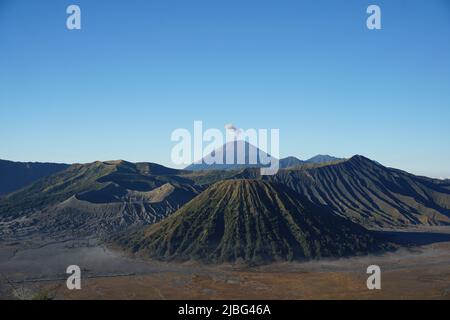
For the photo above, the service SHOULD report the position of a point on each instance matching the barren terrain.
(31, 271)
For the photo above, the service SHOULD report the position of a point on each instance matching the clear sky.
(139, 69)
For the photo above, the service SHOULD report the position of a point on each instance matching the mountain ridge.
(99, 197)
(16, 175)
(250, 151)
(358, 189)
(373, 195)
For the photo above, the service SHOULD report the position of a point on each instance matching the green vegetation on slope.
(107, 182)
(55, 188)
(252, 221)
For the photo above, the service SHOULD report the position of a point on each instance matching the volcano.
(252, 221)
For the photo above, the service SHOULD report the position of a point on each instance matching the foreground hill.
(16, 175)
(368, 193)
(251, 221)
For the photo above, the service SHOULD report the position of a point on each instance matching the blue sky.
(140, 69)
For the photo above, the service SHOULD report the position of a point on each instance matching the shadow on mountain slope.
(413, 238)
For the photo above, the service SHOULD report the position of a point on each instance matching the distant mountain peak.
(251, 157)
(115, 162)
(322, 158)
(359, 159)
(252, 152)
(290, 162)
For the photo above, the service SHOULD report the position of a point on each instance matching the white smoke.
(231, 127)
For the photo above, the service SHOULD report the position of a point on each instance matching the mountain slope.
(371, 194)
(251, 221)
(16, 175)
(242, 154)
(96, 198)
